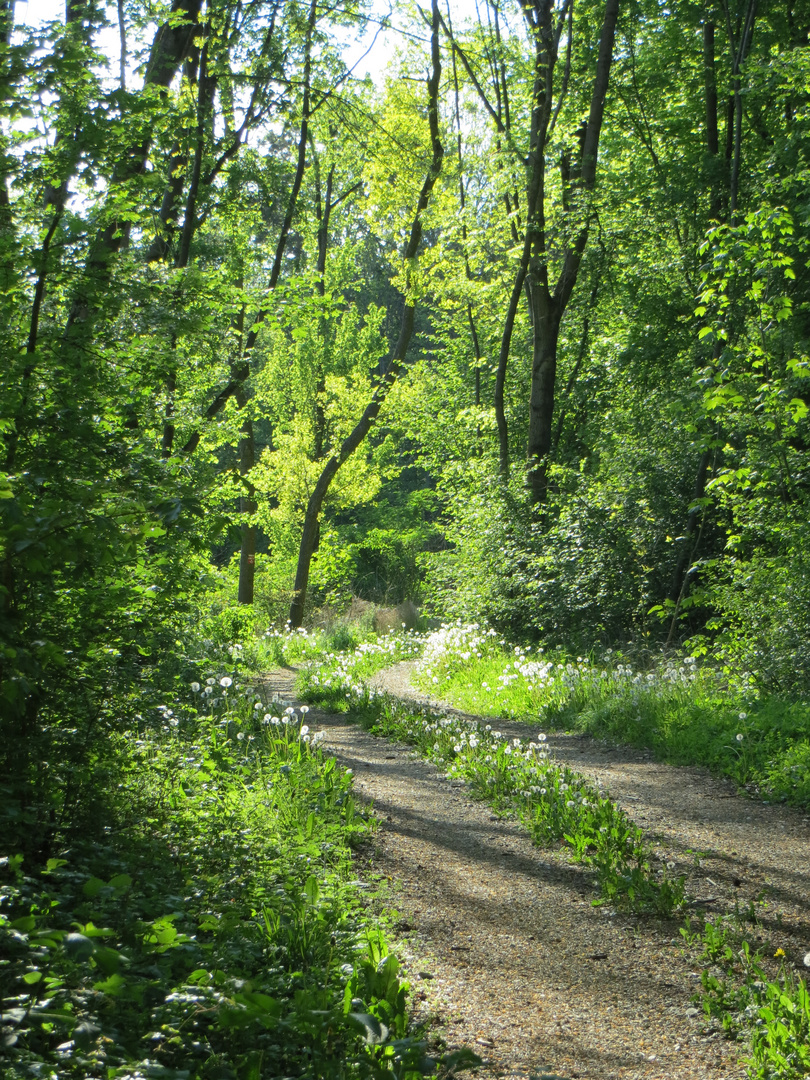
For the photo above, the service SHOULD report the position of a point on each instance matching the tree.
(399, 352)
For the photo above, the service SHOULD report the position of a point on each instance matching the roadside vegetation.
(212, 923)
(753, 998)
(686, 710)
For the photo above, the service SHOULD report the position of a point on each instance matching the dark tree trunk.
(241, 372)
(247, 507)
(548, 308)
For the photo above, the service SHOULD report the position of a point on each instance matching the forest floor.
(504, 950)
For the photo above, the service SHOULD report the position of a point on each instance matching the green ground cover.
(740, 993)
(214, 927)
(687, 713)
(514, 776)
(743, 999)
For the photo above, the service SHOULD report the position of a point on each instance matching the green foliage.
(218, 929)
(741, 995)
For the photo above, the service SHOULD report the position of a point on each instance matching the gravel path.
(503, 948)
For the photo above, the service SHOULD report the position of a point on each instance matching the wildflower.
(543, 791)
(289, 711)
(570, 804)
(739, 738)
(240, 735)
(208, 691)
(195, 688)
(743, 716)
(778, 953)
(226, 681)
(304, 709)
(541, 737)
(304, 729)
(266, 718)
(210, 682)
(806, 960)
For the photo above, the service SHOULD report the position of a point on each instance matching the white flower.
(195, 688)
(210, 682)
(305, 709)
(289, 711)
(806, 960)
(208, 690)
(266, 718)
(226, 681)
(541, 737)
(740, 737)
(304, 729)
(743, 715)
(240, 736)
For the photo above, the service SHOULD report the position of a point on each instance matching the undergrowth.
(741, 998)
(684, 711)
(214, 928)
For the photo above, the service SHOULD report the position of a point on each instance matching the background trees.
(202, 300)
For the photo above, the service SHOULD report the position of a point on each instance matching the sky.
(36, 12)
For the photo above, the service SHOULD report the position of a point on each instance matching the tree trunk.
(541, 401)
(170, 46)
(548, 308)
(247, 506)
(241, 372)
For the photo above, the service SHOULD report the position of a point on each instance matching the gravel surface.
(502, 946)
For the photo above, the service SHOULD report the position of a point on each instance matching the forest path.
(503, 948)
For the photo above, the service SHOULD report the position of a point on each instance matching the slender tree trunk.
(247, 507)
(170, 46)
(548, 308)
(739, 50)
(541, 402)
(712, 127)
(311, 530)
(122, 46)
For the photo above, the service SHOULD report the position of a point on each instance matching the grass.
(667, 708)
(213, 927)
(513, 776)
(683, 711)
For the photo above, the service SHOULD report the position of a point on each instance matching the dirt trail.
(503, 945)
